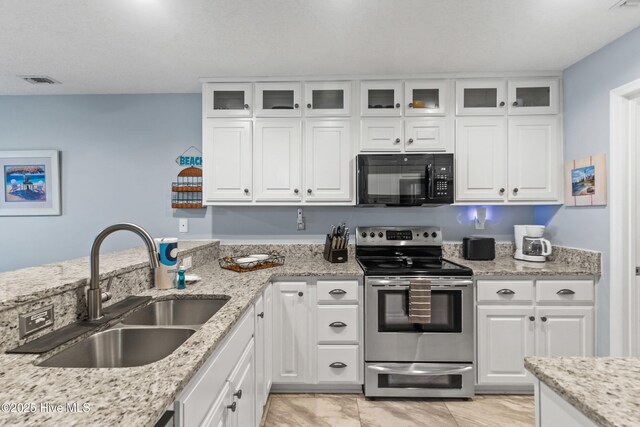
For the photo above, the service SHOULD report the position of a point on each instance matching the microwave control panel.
(442, 185)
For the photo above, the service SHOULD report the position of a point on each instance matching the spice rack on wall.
(186, 192)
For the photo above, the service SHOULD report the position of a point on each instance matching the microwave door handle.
(430, 181)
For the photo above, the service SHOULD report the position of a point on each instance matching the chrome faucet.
(95, 296)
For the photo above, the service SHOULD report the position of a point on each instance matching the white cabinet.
(553, 410)
(290, 327)
(565, 331)
(427, 135)
(534, 96)
(278, 99)
(481, 97)
(426, 97)
(381, 98)
(268, 342)
(535, 150)
(327, 160)
(505, 338)
(263, 308)
(227, 165)
(218, 416)
(227, 99)
(242, 385)
(327, 99)
(277, 159)
(481, 158)
(383, 134)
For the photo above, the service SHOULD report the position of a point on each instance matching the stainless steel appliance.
(405, 179)
(405, 359)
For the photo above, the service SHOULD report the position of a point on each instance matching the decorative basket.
(231, 263)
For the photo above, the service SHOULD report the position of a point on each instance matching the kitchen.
(420, 156)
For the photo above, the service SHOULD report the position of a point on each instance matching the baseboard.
(505, 389)
(316, 388)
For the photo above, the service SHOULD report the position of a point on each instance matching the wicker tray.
(230, 263)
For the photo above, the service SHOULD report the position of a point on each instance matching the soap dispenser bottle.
(180, 281)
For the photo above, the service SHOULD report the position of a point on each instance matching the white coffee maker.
(530, 246)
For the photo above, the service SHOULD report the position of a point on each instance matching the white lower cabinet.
(290, 320)
(510, 329)
(218, 416)
(338, 364)
(243, 392)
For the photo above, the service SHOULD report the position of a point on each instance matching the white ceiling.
(154, 46)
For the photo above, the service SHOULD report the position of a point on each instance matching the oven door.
(391, 337)
(419, 380)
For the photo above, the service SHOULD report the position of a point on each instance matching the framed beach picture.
(31, 183)
(586, 181)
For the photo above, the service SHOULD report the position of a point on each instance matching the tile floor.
(347, 410)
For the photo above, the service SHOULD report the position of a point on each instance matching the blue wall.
(586, 131)
(118, 154)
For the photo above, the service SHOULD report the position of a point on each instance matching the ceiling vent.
(40, 80)
(624, 4)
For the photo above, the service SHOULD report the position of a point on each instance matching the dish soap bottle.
(180, 278)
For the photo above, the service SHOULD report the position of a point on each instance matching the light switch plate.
(35, 320)
(183, 225)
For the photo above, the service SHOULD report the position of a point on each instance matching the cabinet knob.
(501, 191)
(515, 190)
(532, 318)
(338, 365)
(296, 106)
(246, 106)
(233, 407)
(411, 105)
(338, 325)
(246, 191)
(261, 315)
(309, 191)
(397, 141)
(308, 105)
(398, 105)
(300, 294)
(410, 141)
(515, 103)
(502, 104)
(295, 190)
(238, 394)
(544, 319)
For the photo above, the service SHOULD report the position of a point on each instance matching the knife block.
(334, 255)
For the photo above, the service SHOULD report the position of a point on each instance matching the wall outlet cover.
(183, 225)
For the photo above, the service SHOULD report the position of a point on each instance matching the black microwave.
(404, 179)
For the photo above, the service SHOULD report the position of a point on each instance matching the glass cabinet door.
(228, 99)
(328, 98)
(425, 98)
(481, 97)
(278, 99)
(533, 96)
(381, 98)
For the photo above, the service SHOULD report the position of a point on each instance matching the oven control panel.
(399, 236)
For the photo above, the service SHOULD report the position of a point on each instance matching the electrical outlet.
(183, 226)
(187, 263)
(300, 220)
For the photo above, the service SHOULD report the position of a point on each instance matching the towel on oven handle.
(420, 301)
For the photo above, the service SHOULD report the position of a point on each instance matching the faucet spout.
(94, 294)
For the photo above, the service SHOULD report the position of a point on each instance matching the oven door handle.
(415, 369)
(406, 283)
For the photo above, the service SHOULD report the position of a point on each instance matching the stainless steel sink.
(176, 312)
(121, 348)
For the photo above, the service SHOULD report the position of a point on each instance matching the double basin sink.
(145, 336)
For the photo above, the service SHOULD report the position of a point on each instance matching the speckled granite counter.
(139, 396)
(605, 389)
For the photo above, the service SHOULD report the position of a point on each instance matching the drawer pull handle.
(238, 394)
(338, 365)
(505, 292)
(565, 292)
(337, 292)
(338, 325)
(233, 407)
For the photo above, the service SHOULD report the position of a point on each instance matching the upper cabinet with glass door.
(426, 98)
(485, 97)
(534, 96)
(327, 98)
(278, 99)
(381, 98)
(227, 99)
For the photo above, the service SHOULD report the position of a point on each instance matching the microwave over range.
(404, 179)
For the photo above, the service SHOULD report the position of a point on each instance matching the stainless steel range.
(405, 359)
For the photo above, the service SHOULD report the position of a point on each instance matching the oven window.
(446, 312)
(420, 381)
(396, 184)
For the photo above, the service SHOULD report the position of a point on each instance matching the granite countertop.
(605, 389)
(140, 395)
(508, 266)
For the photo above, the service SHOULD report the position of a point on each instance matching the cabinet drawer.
(516, 291)
(338, 323)
(337, 290)
(564, 291)
(338, 363)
